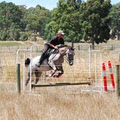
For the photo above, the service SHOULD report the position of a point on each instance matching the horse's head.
(70, 55)
(68, 51)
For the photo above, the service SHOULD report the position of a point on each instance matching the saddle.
(51, 51)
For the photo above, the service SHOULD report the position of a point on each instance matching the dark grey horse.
(55, 60)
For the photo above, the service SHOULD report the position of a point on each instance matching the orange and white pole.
(104, 77)
(111, 74)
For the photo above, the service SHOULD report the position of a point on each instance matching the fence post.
(104, 77)
(18, 79)
(111, 74)
(117, 82)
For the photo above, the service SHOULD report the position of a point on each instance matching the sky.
(49, 4)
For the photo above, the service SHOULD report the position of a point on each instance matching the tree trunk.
(93, 44)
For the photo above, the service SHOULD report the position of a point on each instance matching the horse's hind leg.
(26, 82)
(37, 75)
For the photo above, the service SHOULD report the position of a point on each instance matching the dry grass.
(56, 106)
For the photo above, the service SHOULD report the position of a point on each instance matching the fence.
(79, 72)
(69, 78)
(84, 47)
(91, 64)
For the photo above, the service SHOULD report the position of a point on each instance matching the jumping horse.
(56, 57)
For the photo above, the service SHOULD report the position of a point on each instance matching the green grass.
(9, 43)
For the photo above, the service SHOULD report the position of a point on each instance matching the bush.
(24, 37)
(3, 35)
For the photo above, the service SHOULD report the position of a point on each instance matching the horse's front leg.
(52, 65)
(60, 68)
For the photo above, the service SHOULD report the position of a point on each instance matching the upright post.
(24, 71)
(95, 62)
(111, 74)
(18, 79)
(104, 77)
(90, 62)
(117, 82)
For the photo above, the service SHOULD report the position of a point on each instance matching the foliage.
(95, 20)
(79, 20)
(36, 19)
(115, 20)
(65, 17)
(16, 19)
(24, 37)
(10, 16)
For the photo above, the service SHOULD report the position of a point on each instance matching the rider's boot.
(40, 61)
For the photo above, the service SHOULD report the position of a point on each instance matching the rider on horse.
(56, 40)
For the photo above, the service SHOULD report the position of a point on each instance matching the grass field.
(57, 106)
(57, 103)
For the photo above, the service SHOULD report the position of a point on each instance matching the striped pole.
(111, 74)
(104, 77)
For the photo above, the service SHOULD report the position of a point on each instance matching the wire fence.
(98, 47)
(76, 73)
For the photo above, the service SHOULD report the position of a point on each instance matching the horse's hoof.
(59, 75)
(50, 75)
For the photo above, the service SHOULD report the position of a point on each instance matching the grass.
(9, 43)
(57, 106)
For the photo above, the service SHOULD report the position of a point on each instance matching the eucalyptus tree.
(65, 17)
(10, 15)
(37, 18)
(115, 21)
(95, 20)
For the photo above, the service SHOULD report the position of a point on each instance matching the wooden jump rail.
(61, 84)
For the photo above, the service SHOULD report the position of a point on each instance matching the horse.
(56, 56)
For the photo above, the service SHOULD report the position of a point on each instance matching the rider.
(56, 40)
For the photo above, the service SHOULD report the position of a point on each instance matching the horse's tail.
(27, 62)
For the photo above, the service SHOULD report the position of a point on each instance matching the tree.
(37, 18)
(10, 16)
(23, 21)
(66, 17)
(9, 13)
(115, 21)
(95, 21)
